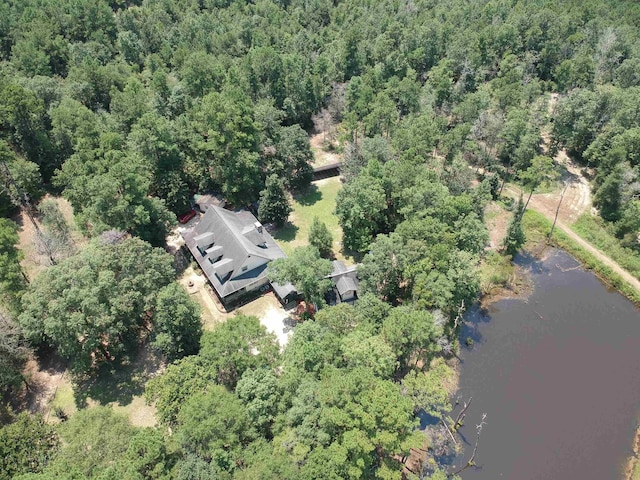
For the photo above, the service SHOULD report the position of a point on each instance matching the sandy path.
(578, 203)
(630, 279)
(320, 155)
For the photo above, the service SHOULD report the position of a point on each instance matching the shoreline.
(536, 227)
(632, 467)
(520, 287)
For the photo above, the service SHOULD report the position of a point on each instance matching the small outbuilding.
(345, 283)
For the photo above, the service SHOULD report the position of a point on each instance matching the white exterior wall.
(348, 295)
(251, 263)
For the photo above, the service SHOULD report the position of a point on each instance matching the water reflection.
(558, 375)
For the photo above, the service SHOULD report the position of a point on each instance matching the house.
(345, 283)
(233, 250)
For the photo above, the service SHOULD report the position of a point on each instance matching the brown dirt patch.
(577, 196)
(497, 220)
(212, 311)
(34, 261)
(44, 380)
(322, 154)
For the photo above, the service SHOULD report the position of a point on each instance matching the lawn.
(122, 387)
(319, 200)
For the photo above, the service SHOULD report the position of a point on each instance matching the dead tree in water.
(460, 418)
(471, 461)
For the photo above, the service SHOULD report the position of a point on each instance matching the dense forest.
(127, 108)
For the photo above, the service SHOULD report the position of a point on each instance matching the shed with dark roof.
(345, 280)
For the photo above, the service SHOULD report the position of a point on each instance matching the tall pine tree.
(274, 203)
(515, 237)
(320, 237)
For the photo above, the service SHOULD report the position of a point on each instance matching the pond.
(558, 376)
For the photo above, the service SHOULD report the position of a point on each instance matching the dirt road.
(575, 202)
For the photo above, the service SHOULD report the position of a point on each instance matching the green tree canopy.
(215, 425)
(360, 207)
(27, 445)
(180, 380)
(258, 390)
(93, 440)
(13, 355)
(12, 280)
(383, 267)
(177, 324)
(235, 346)
(411, 333)
(306, 271)
(321, 238)
(93, 307)
(274, 202)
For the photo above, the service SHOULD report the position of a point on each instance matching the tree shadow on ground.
(474, 317)
(286, 233)
(181, 260)
(118, 381)
(355, 255)
(310, 196)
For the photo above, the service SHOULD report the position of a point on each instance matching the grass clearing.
(64, 398)
(120, 386)
(537, 227)
(594, 231)
(319, 200)
(496, 271)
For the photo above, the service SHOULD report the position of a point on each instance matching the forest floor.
(323, 154)
(122, 387)
(34, 260)
(497, 221)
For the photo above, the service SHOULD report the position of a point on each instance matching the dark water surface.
(557, 375)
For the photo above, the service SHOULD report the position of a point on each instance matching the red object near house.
(185, 217)
(305, 308)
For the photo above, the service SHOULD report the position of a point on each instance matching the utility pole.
(566, 185)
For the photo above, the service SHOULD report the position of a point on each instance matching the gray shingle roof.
(344, 277)
(224, 241)
(346, 284)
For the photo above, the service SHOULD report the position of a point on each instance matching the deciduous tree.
(360, 208)
(515, 236)
(235, 346)
(177, 326)
(92, 307)
(12, 278)
(382, 269)
(216, 426)
(27, 444)
(306, 271)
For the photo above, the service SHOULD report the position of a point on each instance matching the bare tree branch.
(471, 461)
